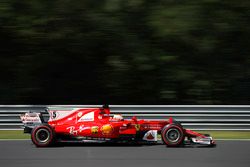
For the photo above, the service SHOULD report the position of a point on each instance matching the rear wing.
(30, 120)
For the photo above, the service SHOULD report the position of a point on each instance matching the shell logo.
(107, 129)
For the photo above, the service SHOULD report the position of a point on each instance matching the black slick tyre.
(43, 136)
(172, 135)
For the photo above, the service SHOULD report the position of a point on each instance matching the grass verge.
(18, 134)
(228, 134)
(13, 134)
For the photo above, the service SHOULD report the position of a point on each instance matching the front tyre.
(172, 135)
(43, 136)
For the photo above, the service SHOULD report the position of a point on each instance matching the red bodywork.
(97, 123)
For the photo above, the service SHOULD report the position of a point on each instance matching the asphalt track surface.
(25, 154)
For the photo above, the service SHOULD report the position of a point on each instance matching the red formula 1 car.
(96, 124)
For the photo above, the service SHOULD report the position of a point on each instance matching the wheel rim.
(42, 135)
(173, 135)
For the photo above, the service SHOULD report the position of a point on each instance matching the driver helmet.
(118, 117)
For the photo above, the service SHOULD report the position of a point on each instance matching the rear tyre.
(43, 136)
(172, 135)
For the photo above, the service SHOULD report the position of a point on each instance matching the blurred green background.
(124, 52)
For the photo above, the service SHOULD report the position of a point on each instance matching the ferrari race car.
(98, 125)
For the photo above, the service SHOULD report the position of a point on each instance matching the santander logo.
(87, 117)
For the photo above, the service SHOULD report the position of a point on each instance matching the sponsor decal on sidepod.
(107, 129)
